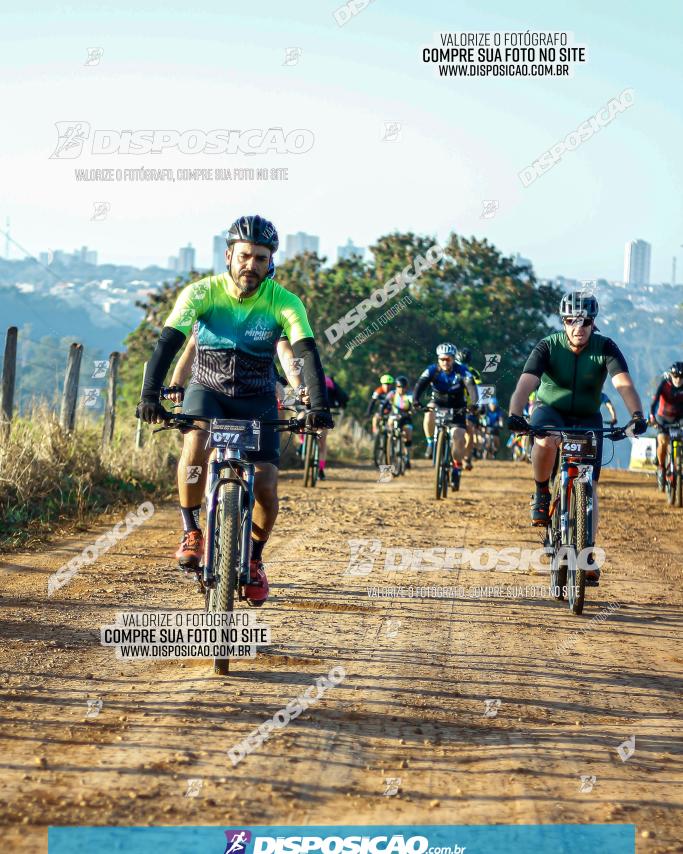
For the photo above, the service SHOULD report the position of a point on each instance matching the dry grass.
(51, 482)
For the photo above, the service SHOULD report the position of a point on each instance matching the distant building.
(44, 258)
(300, 242)
(91, 257)
(637, 263)
(522, 262)
(346, 253)
(219, 247)
(185, 259)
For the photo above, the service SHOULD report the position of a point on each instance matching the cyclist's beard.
(246, 281)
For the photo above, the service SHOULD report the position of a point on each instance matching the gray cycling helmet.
(578, 304)
(254, 229)
(446, 350)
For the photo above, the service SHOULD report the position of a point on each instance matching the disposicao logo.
(237, 841)
(396, 844)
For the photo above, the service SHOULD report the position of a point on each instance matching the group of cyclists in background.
(233, 325)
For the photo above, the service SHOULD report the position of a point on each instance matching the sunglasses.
(445, 358)
(577, 321)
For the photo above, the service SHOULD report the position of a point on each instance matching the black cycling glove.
(317, 418)
(518, 424)
(150, 411)
(639, 423)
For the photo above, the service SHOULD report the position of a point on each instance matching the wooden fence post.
(9, 371)
(67, 416)
(138, 429)
(110, 404)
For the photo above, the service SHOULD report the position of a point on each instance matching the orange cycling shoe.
(191, 549)
(256, 591)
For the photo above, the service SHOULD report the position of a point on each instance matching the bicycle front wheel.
(311, 461)
(226, 558)
(671, 477)
(678, 466)
(441, 461)
(576, 576)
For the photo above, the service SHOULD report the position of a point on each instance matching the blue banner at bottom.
(371, 839)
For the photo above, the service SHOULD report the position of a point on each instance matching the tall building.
(300, 242)
(219, 247)
(185, 259)
(520, 261)
(346, 253)
(637, 263)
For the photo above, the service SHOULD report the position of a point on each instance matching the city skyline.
(394, 147)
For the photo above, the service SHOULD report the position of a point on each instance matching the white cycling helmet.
(446, 350)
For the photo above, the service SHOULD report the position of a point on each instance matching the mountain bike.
(380, 450)
(673, 469)
(443, 463)
(396, 450)
(489, 450)
(224, 571)
(570, 529)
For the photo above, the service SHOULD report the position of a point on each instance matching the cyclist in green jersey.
(569, 369)
(239, 317)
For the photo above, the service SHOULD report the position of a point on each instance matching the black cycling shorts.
(202, 401)
(663, 425)
(546, 415)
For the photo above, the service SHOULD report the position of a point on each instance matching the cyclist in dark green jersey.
(237, 317)
(569, 369)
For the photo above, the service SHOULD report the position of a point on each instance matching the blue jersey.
(493, 416)
(447, 382)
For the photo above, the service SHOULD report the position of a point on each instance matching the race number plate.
(576, 445)
(239, 435)
(676, 433)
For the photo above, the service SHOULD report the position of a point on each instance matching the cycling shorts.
(202, 401)
(663, 424)
(544, 415)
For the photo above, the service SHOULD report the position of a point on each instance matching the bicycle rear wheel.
(226, 559)
(576, 576)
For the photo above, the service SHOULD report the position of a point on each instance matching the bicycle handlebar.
(178, 420)
(614, 433)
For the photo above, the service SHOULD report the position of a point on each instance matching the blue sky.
(463, 140)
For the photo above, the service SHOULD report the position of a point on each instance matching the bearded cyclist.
(240, 315)
(665, 410)
(569, 369)
(449, 381)
(400, 402)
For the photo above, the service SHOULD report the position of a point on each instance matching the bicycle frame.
(243, 472)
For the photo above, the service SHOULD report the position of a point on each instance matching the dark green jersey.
(572, 383)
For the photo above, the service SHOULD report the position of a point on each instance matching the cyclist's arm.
(655, 399)
(610, 408)
(472, 390)
(193, 301)
(423, 381)
(525, 385)
(286, 356)
(624, 385)
(183, 367)
(371, 405)
(300, 335)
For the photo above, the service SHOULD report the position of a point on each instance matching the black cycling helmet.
(254, 229)
(676, 369)
(402, 380)
(578, 304)
(465, 356)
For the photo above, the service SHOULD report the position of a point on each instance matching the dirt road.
(477, 710)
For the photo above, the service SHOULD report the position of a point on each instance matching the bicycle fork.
(245, 478)
(570, 473)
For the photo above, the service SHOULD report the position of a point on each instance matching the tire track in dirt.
(419, 673)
